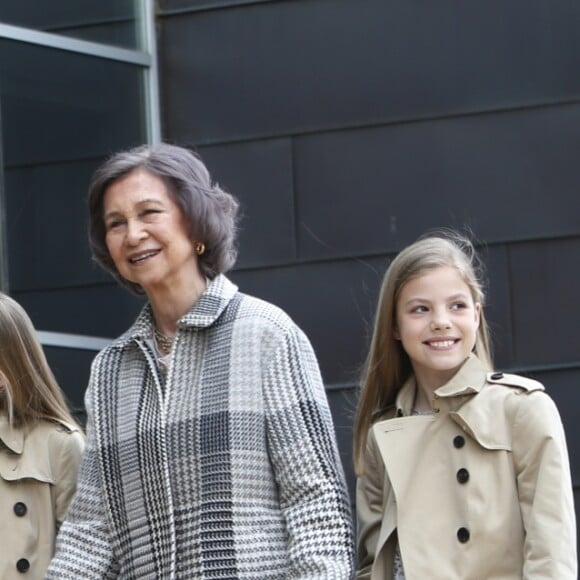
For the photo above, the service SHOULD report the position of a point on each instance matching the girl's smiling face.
(436, 322)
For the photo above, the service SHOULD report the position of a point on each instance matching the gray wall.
(349, 127)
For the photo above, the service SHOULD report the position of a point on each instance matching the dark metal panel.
(103, 311)
(545, 285)
(507, 176)
(259, 174)
(47, 226)
(286, 67)
(497, 306)
(343, 406)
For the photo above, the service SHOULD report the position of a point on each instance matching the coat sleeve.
(306, 463)
(544, 489)
(369, 508)
(69, 457)
(83, 544)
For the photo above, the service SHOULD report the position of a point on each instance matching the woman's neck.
(170, 303)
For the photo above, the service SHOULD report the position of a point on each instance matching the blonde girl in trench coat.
(463, 473)
(40, 449)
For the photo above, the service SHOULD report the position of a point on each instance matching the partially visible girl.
(463, 472)
(40, 449)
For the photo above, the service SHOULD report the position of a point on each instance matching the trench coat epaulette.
(517, 381)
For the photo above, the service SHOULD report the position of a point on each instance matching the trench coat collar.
(468, 380)
(11, 436)
(208, 308)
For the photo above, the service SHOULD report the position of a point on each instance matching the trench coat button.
(20, 509)
(497, 376)
(23, 565)
(458, 441)
(463, 535)
(462, 475)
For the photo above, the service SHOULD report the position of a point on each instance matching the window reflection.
(106, 21)
(62, 112)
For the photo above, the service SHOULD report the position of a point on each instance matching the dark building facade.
(347, 128)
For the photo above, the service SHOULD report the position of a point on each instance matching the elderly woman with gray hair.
(211, 451)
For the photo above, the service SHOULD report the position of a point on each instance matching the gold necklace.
(164, 342)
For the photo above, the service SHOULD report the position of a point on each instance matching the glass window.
(62, 112)
(111, 22)
(78, 81)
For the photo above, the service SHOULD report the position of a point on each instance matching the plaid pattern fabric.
(228, 470)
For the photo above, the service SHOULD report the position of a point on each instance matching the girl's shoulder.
(506, 393)
(39, 448)
(522, 384)
(54, 436)
(512, 393)
(495, 415)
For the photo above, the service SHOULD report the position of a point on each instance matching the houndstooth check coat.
(227, 469)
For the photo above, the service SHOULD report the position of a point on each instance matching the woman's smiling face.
(436, 322)
(146, 233)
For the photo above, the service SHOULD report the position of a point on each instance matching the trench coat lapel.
(398, 440)
(11, 437)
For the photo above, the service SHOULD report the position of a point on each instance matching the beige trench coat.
(479, 490)
(38, 469)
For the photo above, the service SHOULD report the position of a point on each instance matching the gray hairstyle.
(210, 213)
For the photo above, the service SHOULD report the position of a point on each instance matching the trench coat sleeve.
(67, 466)
(369, 508)
(83, 545)
(545, 489)
(307, 467)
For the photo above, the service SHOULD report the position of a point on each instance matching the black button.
(20, 509)
(23, 565)
(458, 441)
(463, 535)
(462, 475)
(497, 376)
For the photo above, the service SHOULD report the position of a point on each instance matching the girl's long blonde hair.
(387, 365)
(28, 389)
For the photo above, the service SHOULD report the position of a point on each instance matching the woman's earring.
(199, 248)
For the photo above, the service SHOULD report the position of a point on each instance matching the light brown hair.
(28, 389)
